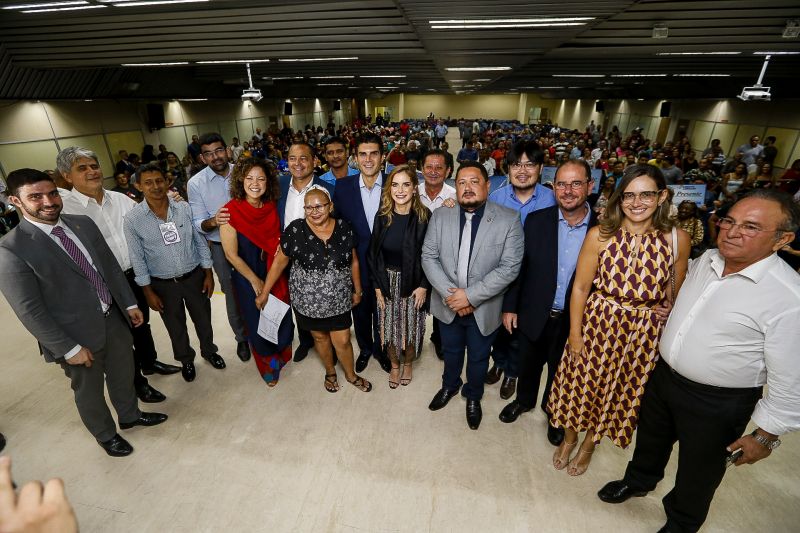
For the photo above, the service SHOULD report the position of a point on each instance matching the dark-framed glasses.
(561, 185)
(318, 207)
(748, 229)
(645, 197)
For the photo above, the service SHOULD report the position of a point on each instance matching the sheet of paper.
(270, 319)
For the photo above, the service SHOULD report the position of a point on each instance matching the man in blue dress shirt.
(336, 156)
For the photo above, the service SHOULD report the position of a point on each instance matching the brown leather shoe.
(494, 375)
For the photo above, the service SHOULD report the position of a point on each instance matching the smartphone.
(733, 457)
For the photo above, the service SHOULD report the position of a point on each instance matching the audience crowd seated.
(587, 259)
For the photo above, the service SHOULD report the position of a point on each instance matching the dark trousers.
(223, 269)
(463, 333)
(144, 349)
(113, 364)
(436, 335)
(704, 420)
(534, 354)
(366, 324)
(505, 349)
(177, 297)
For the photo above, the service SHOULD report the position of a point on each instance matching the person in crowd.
(172, 165)
(335, 150)
(688, 221)
(148, 154)
(293, 188)
(469, 280)
(162, 152)
(250, 240)
(770, 152)
(733, 330)
(124, 166)
(751, 151)
(765, 178)
(236, 149)
(468, 153)
(395, 267)
(440, 133)
(86, 329)
(537, 303)
(672, 174)
(635, 263)
(324, 282)
(397, 155)
(524, 194)
(602, 199)
(124, 187)
(702, 171)
(194, 149)
(790, 180)
(209, 191)
(107, 209)
(172, 264)
(485, 159)
(357, 199)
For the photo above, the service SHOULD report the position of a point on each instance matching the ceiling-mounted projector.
(757, 92)
(252, 94)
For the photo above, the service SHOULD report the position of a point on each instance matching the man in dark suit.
(537, 303)
(290, 207)
(64, 284)
(357, 199)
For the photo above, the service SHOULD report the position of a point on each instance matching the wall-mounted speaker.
(600, 106)
(666, 107)
(287, 108)
(337, 105)
(155, 116)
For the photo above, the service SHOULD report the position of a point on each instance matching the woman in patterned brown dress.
(614, 331)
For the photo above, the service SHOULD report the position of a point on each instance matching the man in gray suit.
(64, 284)
(470, 256)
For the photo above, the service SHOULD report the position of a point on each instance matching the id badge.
(169, 232)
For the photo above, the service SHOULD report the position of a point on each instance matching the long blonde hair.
(614, 215)
(387, 202)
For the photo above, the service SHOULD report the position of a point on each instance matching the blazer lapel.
(52, 249)
(483, 229)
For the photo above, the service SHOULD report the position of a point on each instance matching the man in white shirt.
(107, 209)
(733, 330)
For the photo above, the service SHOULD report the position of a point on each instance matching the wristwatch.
(764, 441)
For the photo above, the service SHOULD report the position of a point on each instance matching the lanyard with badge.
(169, 232)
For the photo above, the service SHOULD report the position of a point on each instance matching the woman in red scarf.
(250, 241)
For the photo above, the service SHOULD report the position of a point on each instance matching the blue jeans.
(463, 333)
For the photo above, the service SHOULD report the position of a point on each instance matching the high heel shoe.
(395, 371)
(577, 469)
(404, 381)
(559, 461)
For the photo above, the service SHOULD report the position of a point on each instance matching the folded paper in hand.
(270, 319)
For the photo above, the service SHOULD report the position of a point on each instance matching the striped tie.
(91, 274)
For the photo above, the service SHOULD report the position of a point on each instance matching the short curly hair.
(243, 167)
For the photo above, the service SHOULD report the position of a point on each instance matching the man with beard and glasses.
(524, 194)
(209, 191)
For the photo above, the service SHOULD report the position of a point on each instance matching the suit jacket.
(284, 181)
(494, 262)
(347, 205)
(531, 295)
(49, 293)
(411, 274)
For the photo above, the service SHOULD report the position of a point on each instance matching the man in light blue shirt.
(209, 191)
(336, 157)
(524, 195)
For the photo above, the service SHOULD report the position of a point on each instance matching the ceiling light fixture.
(660, 31)
(231, 61)
(579, 75)
(532, 22)
(786, 53)
(192, 99)
(331, 77)
(639, 75)
(475, 69)
(50, 10)
(551, 87)
(49, 4)
(165, 64)
(501, 26)
(330, 84)
(384, 76)
(304, 59)
(282, 78)
(702, 75)
(157, 2)
(698, 53)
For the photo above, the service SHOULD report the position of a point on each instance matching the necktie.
(83, 263)
(463, 251)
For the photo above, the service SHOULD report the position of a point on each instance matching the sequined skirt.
(402, 324)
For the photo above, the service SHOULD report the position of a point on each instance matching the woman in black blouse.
(395, 265)
(324, 282)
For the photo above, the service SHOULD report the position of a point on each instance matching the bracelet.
(359, 294)
(764, 441)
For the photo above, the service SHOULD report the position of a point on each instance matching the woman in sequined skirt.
(395, 266)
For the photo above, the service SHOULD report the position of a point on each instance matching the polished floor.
(237, 456)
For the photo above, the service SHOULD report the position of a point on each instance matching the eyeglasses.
(218, 151)
(527, 165)
(747, 229)
(645, 197)
(561, 185)
(318, 207)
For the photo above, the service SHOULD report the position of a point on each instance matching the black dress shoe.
(188, 372)
(618, 492)
(386, 365)
(361, 362)
(474, 414)
(508, 388)
(243, 351)
(162, 369)
(494, 375)
(145, 419)
(441, 398)
(2, 442)
(301, 353)
(511, 412)
(216, 361)
(148, 394)
(116, 446)
(555, 436)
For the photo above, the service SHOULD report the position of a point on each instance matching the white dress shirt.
(108, 215)
(741, 330)
(295, 200)
(436, 202)
(371, 198)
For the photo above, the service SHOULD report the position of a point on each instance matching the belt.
(176, 279)
(735, 391)
(556, 313)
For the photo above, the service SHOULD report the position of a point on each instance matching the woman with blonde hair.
(395, 267)
(636, 261)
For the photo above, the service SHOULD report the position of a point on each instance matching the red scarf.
(262, 227)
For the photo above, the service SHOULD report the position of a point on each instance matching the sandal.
(361, 384)
(331, 385)
(578, 470)
(393, 384)
(560, 462)
(404, 381)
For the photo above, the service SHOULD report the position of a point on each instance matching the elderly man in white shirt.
(734, 329)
